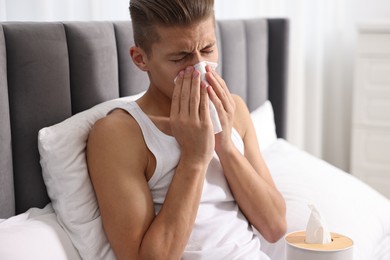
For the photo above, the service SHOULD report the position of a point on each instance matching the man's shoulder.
(117, 126)
(117, 137)
(117, 120)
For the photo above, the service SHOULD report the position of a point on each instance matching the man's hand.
(190, 117)
(247, 174)
(225, 105)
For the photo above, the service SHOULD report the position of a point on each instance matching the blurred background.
(323, 42)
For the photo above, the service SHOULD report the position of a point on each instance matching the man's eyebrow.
(211, 44)
(179, 53)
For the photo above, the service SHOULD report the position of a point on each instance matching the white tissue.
(201, 66)
(317, 231)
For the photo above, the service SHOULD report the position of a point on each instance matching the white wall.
(64, 10)
(322, 45)
(322, 48)
(339, 45)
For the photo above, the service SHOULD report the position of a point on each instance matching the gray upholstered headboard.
(50, 71)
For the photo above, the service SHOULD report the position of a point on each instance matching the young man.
(167, 186)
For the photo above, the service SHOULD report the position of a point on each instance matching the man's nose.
(197, 58)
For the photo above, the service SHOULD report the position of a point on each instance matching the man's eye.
(178, 60)
(208, 51)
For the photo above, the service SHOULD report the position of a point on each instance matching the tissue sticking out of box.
(317, 231)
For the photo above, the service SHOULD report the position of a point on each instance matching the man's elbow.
(276, 231)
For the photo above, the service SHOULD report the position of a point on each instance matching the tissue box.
(340, 248)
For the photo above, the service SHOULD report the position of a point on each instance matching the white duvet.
(349, 206)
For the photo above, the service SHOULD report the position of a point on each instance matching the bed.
(58, 78)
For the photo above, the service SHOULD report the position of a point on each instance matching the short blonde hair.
(146, 15)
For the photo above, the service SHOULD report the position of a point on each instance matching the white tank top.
(220, 231)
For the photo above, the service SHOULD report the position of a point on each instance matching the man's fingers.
(195, 94)
(175, 105)
(204, 112)
(186, 91)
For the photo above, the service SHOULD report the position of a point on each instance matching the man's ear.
(139, 57)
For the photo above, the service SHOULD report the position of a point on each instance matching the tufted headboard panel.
(50, 71)
(7, 199)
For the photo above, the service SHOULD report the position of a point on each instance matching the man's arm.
(117, 161)
(247, 175)
(251, 182)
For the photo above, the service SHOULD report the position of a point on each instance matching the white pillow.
(349, 206)
(35, 234)
(64, 170)
(264, 123)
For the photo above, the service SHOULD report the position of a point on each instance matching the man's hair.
(146, 15)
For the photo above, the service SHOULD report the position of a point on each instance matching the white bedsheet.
(382, 251)
(349, 206)
(35, 234)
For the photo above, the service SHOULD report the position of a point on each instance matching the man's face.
(178, 48)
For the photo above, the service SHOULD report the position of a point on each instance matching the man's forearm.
(168, 234)
(261, 203)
